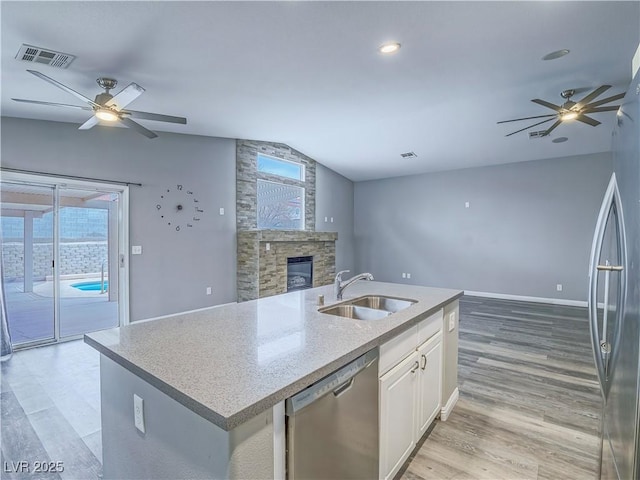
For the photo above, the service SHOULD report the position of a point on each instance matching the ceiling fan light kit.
(107, 115)
(107, 107)
(571, 110)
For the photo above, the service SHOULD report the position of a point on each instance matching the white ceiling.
(308, 73)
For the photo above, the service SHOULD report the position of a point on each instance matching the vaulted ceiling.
(308, 74)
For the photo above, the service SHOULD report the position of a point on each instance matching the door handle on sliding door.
(610, 268)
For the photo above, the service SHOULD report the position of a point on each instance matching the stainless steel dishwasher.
(332, 426)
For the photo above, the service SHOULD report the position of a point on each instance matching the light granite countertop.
(231, 362)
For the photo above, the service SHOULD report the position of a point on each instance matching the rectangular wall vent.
(29, 53)
(408, 155)
(539, 134)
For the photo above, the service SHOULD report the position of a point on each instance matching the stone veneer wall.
(247, 175)
(263, 272)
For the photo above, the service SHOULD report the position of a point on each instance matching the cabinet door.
(429, 383)
(397, 415)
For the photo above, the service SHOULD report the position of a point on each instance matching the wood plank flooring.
(529, 403)
(50, 406)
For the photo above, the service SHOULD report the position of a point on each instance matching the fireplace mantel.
(262, 259)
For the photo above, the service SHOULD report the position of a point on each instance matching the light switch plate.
(136, 250)
(138, 412)
(221, 211)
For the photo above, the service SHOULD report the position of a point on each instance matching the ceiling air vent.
(539, 134)
(29, 53)
(408, 155)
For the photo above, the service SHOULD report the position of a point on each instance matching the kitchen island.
(214, 381)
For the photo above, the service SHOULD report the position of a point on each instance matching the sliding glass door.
(63, 260)
(88, 265)
(27, 256)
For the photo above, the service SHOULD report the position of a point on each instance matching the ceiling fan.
(107, 107)
(571, 110)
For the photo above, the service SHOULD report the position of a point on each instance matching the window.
(280, 206)
(282, 168)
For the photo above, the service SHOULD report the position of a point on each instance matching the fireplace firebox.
(299, 273)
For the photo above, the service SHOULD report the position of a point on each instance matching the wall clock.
(179, 208)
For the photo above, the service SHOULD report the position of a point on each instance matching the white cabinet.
(429, 383)
(410, 388)
(397, 414)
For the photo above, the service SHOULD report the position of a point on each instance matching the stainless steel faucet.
(340, 285)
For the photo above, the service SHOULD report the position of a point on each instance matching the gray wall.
(528, 228)
(176, 267)
(334, 198)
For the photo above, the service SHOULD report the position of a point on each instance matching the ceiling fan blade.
(125, 96)
(92, 122)
(612, 108)
(552, 127)
(156, 116)
(530, 126)
(604, 100)
(51, 104)
(137, 127)
(544, 103)
(528, 118)
(588, 120)
(63, 87)
(596, 93)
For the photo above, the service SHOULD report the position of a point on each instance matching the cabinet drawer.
(392, 352)
(430, 326)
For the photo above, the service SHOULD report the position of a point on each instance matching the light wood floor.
(529, 403)
(50, 406)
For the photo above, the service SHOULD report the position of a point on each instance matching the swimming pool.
(90, 286)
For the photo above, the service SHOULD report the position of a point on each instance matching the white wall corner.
(448, 407)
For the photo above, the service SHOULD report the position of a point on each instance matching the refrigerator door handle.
(605, 352)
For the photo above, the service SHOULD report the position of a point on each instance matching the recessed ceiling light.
(556, 54)
(560, 140)
(390, 47)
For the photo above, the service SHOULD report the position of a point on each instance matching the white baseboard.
(448, 408)
(523, 298)
(182, 313)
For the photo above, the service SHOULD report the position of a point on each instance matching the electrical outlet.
(408, 275)
(138, 412)
(404, 275)
(136, 250)
(221, 211)
(267, 247)
(208, 290)
(452, 321)
(467, 204)
(559, 287)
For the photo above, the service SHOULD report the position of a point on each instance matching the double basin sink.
(369, 307)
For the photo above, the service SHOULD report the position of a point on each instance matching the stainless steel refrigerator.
(614, 298)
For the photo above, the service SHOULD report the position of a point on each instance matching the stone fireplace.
(263, 260)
